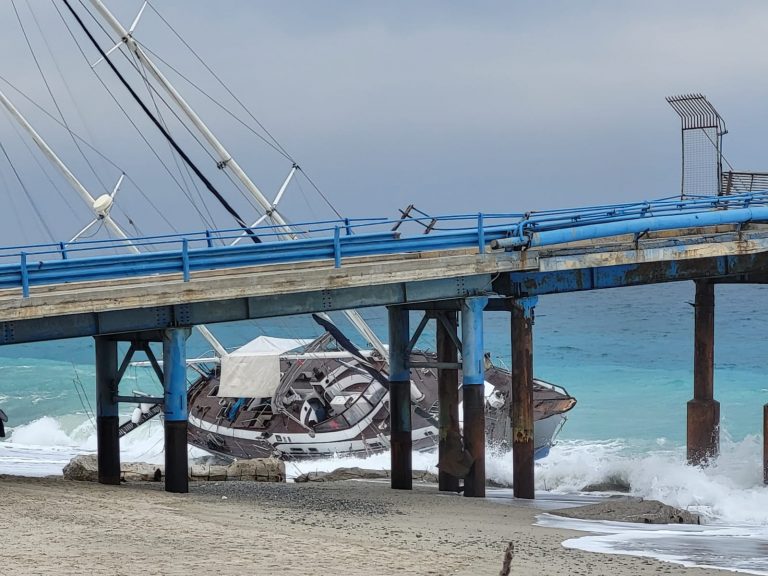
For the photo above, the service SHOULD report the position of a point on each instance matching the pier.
(472, 263)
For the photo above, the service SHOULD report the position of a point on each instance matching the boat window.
(354, 413)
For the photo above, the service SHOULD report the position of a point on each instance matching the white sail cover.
(253, 370)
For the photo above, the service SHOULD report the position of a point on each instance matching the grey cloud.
(493, 106)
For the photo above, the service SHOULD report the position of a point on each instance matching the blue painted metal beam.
(540, 283)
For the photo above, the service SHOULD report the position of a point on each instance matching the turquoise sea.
(625, 354)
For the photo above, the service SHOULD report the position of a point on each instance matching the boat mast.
(99, 206)
(226, 161)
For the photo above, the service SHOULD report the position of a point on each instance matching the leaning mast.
(226, 160)
(99, 206)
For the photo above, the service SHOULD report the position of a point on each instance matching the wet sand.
(55, 526)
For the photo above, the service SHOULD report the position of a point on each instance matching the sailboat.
(288, 399)
(299, 398)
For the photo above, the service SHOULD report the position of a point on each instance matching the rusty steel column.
(521, 405)
(107, 421)
(703, 410)
(401, 440)
(448, 402)
(473, 392)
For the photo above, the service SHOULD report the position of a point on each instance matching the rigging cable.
(48, 86)
(94, 150)
(276, 146)
(28, 195)
(157, 95)
(142, 73)
(165, 133)
(44, 171)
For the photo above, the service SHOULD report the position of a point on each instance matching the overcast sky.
(453, 106)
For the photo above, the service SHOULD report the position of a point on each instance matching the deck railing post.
(521, 404)
(175, 409)
(336, 247)
(480, 233)
(401, 441)
(63, 249)
(107, 423)
(185, 259)
(24, 275)
(209, 238)
(473, 392)
(703, 433)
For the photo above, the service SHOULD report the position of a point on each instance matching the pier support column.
(175, 409)
(107, 422)
(448, 400)
(473, 392)
(703, 411)
(521, 405)
(401, 441)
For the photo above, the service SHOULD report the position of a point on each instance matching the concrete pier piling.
(703, 433)
(522, 397)
(107, 420)
(175, 409)
(401, 440)
(473, 388)
(448, 395)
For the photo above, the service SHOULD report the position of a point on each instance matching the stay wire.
(27, 194)
(220, 81)
(92, 149)
(142, 73)
(11, 197)
(48, 86)
(130, 120)
(277, 146)
(159, 126)
(193, 135)
(43, 170)
(218, 104)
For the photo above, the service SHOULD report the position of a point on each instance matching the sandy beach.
(57, 526)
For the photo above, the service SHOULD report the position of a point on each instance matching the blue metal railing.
(91, 260)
